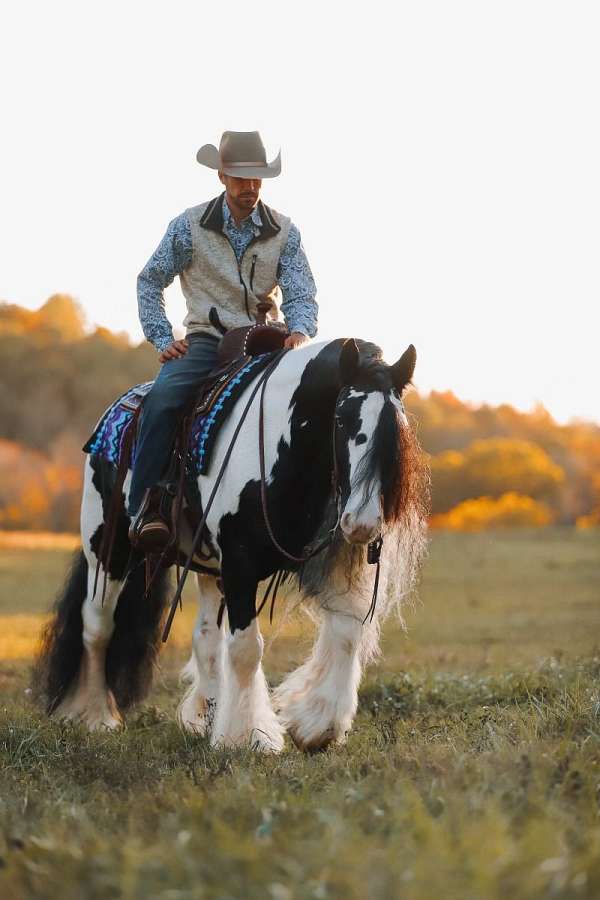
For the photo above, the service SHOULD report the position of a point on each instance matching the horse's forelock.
(395, 457)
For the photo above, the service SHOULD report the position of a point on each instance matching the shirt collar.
(229, 221)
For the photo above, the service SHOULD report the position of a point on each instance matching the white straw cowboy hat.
(241, 154)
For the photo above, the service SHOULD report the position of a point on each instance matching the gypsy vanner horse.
(329, 407)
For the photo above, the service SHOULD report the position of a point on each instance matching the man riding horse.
(325, 486)
(236, 255)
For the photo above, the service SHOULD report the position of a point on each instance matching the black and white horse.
(337, 399)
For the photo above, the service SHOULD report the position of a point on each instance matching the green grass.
(473, 770)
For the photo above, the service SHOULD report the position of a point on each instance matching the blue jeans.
(173, 391)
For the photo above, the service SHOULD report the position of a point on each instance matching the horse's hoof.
(313, 744)
(262, 742)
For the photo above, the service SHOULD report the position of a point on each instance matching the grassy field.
(473, 770)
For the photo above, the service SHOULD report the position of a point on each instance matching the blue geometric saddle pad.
(108, 438)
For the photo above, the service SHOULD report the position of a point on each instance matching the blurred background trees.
(491, 467)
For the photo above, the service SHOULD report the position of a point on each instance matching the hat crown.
(241, 154)
(242, 146)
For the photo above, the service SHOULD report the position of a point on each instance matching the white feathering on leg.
(244, 713)
(203, 670)
(89, 700)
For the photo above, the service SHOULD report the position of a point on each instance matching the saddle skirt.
(217, 397)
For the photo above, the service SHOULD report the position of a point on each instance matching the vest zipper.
(239, 265)
(242, 282)
(254, 258)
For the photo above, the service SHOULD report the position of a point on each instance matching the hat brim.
(208, 155)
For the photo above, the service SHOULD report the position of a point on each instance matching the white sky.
(440, 158)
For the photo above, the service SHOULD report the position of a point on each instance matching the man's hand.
(174, 351)
(295, 340)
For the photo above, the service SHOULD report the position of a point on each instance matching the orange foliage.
(510, 510)
(60, 318)
(590, 521)
(493, 467)
(36, 492)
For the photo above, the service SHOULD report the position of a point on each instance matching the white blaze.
(362, 517)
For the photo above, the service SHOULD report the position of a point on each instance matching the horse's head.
(370, 436)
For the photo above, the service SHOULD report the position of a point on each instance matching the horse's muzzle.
(356, 531)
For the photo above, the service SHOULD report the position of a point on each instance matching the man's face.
(244, 192)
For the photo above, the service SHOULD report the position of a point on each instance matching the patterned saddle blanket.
(108, 438)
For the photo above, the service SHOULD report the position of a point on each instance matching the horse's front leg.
(317, 702)
(203, 670)
(244, 715)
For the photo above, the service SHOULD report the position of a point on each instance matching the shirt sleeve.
(172, 256)
(298, 288)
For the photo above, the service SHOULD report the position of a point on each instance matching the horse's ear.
(349, 361)
(403, 370)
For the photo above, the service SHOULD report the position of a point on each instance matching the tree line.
(491, 466)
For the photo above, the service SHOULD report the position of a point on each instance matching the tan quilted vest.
(214, 278)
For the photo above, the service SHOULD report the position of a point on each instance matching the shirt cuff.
(163, 342)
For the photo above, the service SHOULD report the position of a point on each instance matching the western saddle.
(156, 524)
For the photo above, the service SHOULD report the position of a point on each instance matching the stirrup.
(148, 530)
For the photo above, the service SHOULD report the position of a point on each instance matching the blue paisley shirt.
(174, 254)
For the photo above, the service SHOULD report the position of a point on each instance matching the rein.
(263, 487)
(374, 548)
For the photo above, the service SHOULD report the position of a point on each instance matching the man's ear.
(349, 361)
(403, 370)
(221, 179)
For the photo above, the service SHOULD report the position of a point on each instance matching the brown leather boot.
(148, 530)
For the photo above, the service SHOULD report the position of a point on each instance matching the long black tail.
(133, 646)
(59, 658)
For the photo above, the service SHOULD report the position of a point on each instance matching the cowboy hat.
(241, 154)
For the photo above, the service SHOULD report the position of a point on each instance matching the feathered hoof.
(101, 715)
(103, 723)
(268, 738)
(312, 745)
(93, 721)
(267, 742)
(312, 721)
(315, 743)
(196, 715)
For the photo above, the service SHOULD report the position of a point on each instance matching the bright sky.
(440, 159)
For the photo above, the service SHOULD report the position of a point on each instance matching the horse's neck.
(303, 394)
(304, 388)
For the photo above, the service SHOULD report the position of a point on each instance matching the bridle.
(374, 547)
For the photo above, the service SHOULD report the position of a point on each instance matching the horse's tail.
(59, 658)
(133, 646)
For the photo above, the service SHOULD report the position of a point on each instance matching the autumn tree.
(491, 468)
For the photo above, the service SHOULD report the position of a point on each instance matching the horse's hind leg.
(203, 669)
(89, 699)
